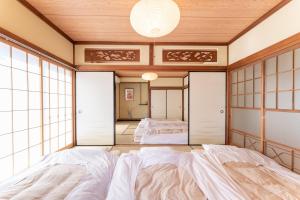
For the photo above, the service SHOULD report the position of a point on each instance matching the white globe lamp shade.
(149, 76)
(154, 18)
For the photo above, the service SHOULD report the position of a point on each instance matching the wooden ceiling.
(206, 21)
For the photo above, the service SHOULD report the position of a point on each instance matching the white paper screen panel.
(297, 78)
(297, 58)
(207, 107)
(186, 104)
(280, 154)
(297, 162)
(283, 127)
(186, 81)
(95, 108)
(252, 143)
(174, 104)
(237, 139)
(245, 120)
(159, 104)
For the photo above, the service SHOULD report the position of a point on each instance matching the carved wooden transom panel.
(94, 55)
(189, 55)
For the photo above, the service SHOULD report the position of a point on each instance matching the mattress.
(71, 174)
(174, 138)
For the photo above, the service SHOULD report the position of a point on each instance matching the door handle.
(221, 111)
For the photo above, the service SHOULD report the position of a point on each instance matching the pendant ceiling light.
(149, 76)
(154, 18)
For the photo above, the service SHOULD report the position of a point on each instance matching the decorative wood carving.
(92, 55)
(189, 55)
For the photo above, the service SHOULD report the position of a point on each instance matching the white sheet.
(128, 166)
(174, 138)
(99, 167)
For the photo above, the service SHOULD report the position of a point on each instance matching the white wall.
(167, 82)
(279, 26)
(17, 19)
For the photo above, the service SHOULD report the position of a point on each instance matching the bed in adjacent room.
(254, 175)
(76, 174)
(159, 131)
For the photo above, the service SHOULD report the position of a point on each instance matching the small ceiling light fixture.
(149, 76)
(154, 18)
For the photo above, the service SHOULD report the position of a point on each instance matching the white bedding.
(165, 128)
(221, 157)
(130, 165)
(224, 153)
(94, 169)
(174, 138)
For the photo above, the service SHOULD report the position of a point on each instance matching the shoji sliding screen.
(23, 133)
(245, 105)
(272, 125)
(95, 101)
(57, 107)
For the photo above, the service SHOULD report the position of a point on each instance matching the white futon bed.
(156, 131)
(250, 173)
(75, 174)
(162, 173)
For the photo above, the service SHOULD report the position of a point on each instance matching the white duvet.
(254, 174)
(76, 174)
(129, 167)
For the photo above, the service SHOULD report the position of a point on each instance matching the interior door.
(95, 108)
(158, 104)
(174, 104)
(207, 107)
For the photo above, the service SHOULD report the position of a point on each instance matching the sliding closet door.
(158, 104)
(207, 107)
(174, 104)
(95, 108)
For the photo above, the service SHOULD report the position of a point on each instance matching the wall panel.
(272, 124)
(245, 120)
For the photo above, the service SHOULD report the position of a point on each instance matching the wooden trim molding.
(99, 55)
(10, 37)
(259, 20)
(45, 19)
(276, 49)
(150, 68)
(189, 55)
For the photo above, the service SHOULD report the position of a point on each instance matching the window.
(245, 87)
(35, 109)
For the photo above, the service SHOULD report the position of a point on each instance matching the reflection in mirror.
(151, 112)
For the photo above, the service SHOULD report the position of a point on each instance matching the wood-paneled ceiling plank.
(107, 20)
